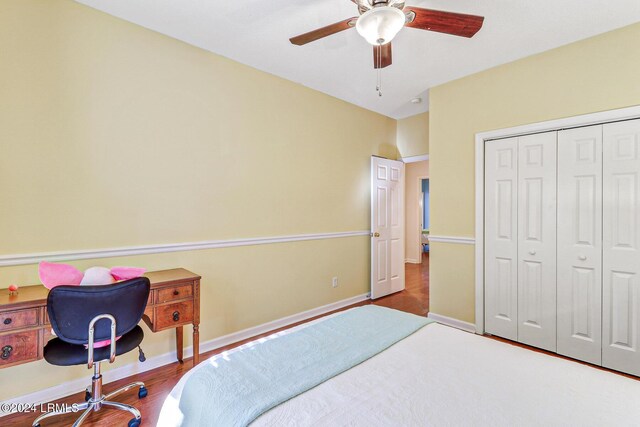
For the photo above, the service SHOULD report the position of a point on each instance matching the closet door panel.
(501, 247)
(621, 247)
(537, 240)
(579, 265)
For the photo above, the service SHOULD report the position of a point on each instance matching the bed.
(441, 376)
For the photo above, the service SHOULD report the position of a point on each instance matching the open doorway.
(417, 233)
(416, 213)
(424, 236)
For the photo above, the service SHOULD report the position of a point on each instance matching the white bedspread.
(441, 376)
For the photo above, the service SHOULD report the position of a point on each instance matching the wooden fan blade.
(385, 52)
(457, 24)
(323, 32)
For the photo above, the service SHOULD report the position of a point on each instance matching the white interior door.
(621, 247)
(387, 226)
(537, 240)
(580, 243)
(501, 241)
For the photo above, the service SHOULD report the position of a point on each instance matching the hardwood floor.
(415, 298)
(160, 381)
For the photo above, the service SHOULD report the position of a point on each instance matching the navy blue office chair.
(82, 315)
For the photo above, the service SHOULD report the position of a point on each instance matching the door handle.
(376, 234)
(582, 257)
(532, 252)
(6, 352)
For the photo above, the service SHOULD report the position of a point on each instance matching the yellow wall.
(413, 135)
(112, 135)
(413, 198)
(596, 74)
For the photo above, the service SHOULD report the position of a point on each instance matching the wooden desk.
(174, 301)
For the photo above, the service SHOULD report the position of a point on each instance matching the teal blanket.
(236, 389)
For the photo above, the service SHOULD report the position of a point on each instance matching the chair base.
(95, 404)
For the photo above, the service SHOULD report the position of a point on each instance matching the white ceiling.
(257, 32)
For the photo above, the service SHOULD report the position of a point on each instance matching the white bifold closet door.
(621, 247)
(520, 239)
(501, 238)
(537, 240)
(580, 243)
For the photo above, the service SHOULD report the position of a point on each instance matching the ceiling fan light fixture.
(380, 25)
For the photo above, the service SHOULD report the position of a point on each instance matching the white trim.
(34, 258)
(413, 159)
(452, 239)
(455, 323)
(479, 232)
(412, 261)
(590, 119)
(74, 386)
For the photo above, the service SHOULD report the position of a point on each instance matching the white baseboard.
(74, 386)
(412, 261)
(450, 321)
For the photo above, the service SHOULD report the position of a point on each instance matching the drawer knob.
(176, 316)
(7, 321)
(6, 352)
(176, 292)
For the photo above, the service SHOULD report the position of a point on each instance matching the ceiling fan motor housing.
(365, 5)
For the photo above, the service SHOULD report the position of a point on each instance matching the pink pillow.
(120, 273)
(101, 344)
(52, 275)
(126, 273)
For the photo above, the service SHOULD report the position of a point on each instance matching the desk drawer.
(172, 315)
(174, 293)
(18, 347)
(18, 319)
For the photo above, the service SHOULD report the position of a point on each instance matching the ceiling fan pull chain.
(379, 76)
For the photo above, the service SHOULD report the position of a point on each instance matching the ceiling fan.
(381, 20)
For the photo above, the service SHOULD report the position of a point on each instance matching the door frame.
(621, 114)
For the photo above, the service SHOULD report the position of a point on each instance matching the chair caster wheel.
(87, 396)
(142, 392)
(134, 422)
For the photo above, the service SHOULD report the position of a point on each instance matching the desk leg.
(179, 342)
(196, 344)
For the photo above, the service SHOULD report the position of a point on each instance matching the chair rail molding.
(34, 258)
(452, 239)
